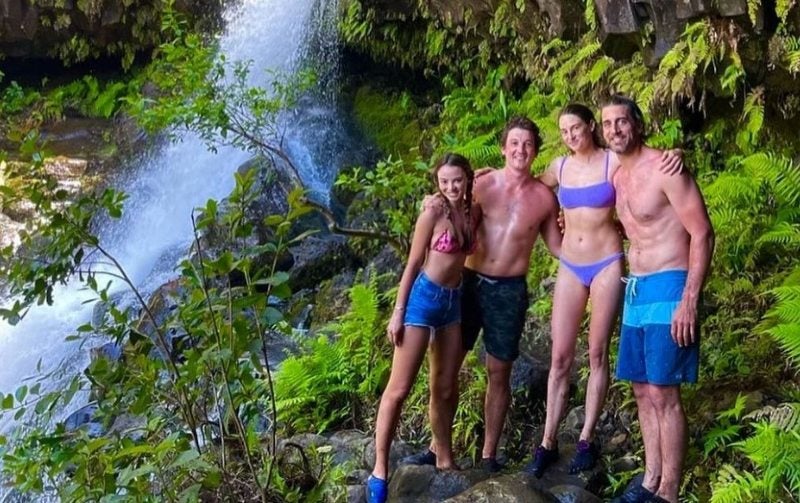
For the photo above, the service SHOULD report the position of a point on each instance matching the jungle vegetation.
(211, 413)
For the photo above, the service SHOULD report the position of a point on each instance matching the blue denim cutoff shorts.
(431, 305)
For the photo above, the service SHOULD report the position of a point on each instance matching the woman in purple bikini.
(591, 267)
(427, 313)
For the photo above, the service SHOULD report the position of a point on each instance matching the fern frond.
(785, 416)
(788, 338)
(732, 486)
(776, 453)
(782, 8)
(597, 72)
(783, 233)
(752, 119)
(732, 189)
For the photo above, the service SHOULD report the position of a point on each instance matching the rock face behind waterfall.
(623, 24)
(75, 31)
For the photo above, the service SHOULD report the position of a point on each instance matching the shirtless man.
(671, 241)
(515, 208)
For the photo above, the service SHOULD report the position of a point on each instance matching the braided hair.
(466, 234)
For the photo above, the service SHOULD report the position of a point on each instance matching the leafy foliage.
(329, 383)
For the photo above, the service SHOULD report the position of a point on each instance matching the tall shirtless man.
(671, 242)
(515, 209)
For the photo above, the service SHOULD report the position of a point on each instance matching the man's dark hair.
(634, 111)
(527, 125)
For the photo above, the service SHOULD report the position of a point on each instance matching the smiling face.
(519, 149)
(452, 182)
(621, 132)
(576, 133)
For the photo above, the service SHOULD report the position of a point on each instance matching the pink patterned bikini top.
(447, 243)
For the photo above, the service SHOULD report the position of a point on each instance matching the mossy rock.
(389, 120)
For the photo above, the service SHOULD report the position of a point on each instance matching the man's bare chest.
(640, 201)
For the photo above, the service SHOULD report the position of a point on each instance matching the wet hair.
(527, 125)
(585, 114)
(634, 112)
(453, 159)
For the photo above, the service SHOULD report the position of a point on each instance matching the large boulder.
(420, 484)
(515, 488)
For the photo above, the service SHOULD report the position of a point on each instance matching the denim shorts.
(431, 305)
(647, 352)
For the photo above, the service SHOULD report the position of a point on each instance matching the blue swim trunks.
(647, 352)
(431, 305)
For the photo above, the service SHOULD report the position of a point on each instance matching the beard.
(620, 144)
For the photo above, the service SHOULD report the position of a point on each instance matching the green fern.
(783, 233)
(753, 6)
(782, 322)
(785, 417)
(335, 376)
(782, 8)
(731, 486)
(776, 453)
(752, 120)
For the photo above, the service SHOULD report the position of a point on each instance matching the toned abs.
(511, 222)
(658, 240)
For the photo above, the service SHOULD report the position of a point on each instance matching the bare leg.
(569, 304)
(605, 293)
(672, 425)
(495, 406)
(405, 366)
(648, 422)
(453, 404)
(444, 365)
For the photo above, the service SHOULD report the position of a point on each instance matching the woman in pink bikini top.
(427, 314)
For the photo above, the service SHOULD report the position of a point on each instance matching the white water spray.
(169, 182)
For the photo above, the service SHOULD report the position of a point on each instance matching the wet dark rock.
(626, 464)
(529, 373)
(331, 300)
(573, 494)
(110, 350)
(355, 493)
(84, 418)
(575, 419)
(129, 425)
(425, 483)
(80, 137)
(619, 28)
(514, 488)
(398, 451)
(357, 477)
(349, 446)
(565, 16)
(160, 307)
(36, 29)
(318, 258)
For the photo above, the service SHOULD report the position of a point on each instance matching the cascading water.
(171, 180)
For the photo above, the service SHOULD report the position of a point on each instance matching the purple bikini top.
(599, 195)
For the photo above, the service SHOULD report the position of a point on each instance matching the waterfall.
(166, 183)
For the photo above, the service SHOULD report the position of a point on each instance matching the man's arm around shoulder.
(549, 228)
